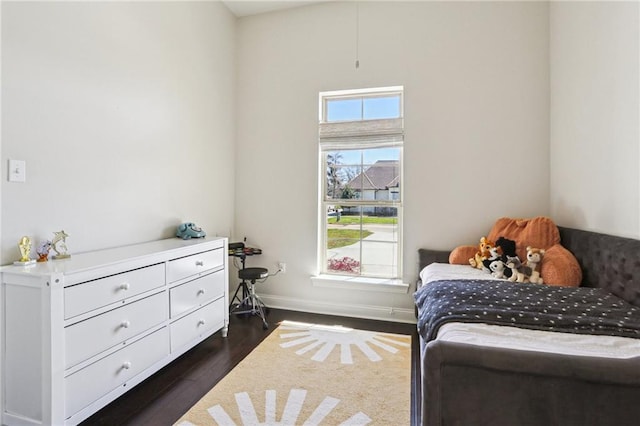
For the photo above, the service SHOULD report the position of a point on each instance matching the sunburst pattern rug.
(306, 374)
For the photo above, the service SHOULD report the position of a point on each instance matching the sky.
(363, 109)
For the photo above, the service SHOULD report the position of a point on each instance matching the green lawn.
(344, 237)
(354, 220)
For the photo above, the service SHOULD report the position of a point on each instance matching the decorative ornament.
(25, 249)
(43, 251)
(59, 245)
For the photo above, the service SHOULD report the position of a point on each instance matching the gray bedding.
(475, 385)
(534, 306)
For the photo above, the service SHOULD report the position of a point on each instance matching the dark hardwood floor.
(167, 395)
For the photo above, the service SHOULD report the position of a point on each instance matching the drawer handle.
(201, 291)
(126, 365)
(199, 262)
(201, 322)
(125, 324)
(125, 286)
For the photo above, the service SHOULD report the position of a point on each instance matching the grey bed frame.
(470, 385)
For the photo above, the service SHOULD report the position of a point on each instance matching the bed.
(476, 370)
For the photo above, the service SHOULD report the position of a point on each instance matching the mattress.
(480, 334)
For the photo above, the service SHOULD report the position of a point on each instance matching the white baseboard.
(346, 310)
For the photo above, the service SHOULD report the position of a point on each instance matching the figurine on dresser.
(25, 250)
(59, 245)
(43, 251)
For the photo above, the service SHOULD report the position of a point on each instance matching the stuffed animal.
(498, 269)
(519, 272)
(495, 253)
(482, 254)
(508, 248)
(559, 266)
(486, 265)
(534, 258)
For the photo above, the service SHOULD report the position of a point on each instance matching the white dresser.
(80, 332)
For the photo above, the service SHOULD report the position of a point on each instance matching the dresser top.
(118, 259)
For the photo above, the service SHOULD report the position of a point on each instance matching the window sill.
(360, 283)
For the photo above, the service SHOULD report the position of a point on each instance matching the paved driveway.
(379, 251)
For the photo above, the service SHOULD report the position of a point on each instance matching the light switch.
(17, 171)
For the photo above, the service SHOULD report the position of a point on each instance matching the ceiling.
(242, 8)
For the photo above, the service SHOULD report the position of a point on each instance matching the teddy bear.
(482, 253)
(534, 258)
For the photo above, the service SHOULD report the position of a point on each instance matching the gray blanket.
(541, 307)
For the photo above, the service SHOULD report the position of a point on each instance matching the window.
(360, 136)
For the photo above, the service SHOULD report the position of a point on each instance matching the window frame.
(354, 129)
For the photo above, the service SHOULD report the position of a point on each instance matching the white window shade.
(361, 134)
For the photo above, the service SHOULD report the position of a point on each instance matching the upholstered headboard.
(606, 261)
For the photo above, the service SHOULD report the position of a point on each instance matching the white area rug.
(306, 374)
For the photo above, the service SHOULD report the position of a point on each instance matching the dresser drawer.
(105, 375)
(94, 335)
(91, 295)
(196, 293)
(184, 267)
(204, 321)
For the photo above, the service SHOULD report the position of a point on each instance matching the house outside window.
(361, 133)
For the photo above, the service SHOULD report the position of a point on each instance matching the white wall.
(595, 123)
(476, 78)
(124, 113)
